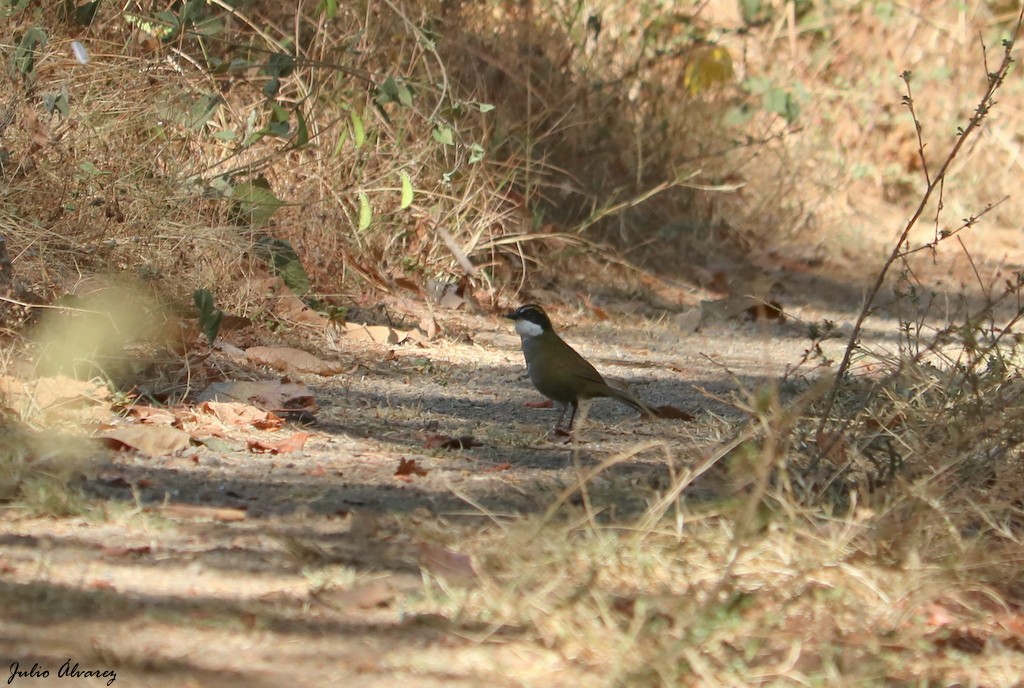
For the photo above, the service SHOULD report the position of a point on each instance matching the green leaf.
(24, 59)
(476, 153)
(444, 135)
(782, 103)
(285, 263)
(209, 317)
(91, 170)
(394, 91)
(84, 14)
(406, 191)
(485, 107)
(358, 131)
(342, 138)
(58, 102)
(328, 8)
(737, 116)
(365, 212)
(201, 112)
(254, 203)
(225, 135)
(301, 130)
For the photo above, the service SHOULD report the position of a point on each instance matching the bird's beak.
(511, 315)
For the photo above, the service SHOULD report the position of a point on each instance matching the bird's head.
(531, 320)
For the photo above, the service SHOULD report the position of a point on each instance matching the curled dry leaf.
(151, 415)
(670, 412)
(766, 310)
(292, 360)
(378, 334)
(376, 593)
(448, 442)
(268, 395)
(547, 403)
(238, 415)
(147, 439)
(408, 468)
(206, 513)
(47, 392)
(288, 445)
(454, 567)
(289, 307)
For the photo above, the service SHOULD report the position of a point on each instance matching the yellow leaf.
(709, 66)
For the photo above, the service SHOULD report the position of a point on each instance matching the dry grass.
(873, 538)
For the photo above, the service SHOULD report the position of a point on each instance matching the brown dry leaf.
(429, 326)
(292, 360)
(598, 312)
(47, 392)
(408, 468)
(766, 310)
(547, 403)
(286, 446)
(376, 593)
(114, 551)
(268, 395)
(151, 440)
(151, 415)
(499, 468)
(834, 447)
(288, 307)
(670, 412)
(453, 567)
(212, 513)
(236, 414)
(30, 123)
(739, 307)
(719, 282)
(378, 334)
(449, 442)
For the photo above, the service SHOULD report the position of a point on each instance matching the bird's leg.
(572, 418)
(561, 416)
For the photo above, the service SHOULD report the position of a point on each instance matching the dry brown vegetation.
(855, 521)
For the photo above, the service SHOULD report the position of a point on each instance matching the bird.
(558, 371)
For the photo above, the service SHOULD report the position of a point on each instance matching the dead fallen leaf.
(113, 551)
(288, 445)
(267, 395)
(598, 312)
(151, 415)
(152, 440)
(454, 567)
(740, 307)
(499, 468)
(211, 513)
(719, 282)
(448, 442)
(376, 593)
(670, 412)
(429, 326)
(378, 334)
(59, 390)
(547, 403)
(236, 414)
(766, 310)
(289, 307)
(833, 446)
(408, 468)
(292, 360)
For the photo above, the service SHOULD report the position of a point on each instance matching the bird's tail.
(630, 399)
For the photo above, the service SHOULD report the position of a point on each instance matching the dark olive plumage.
(557, 370)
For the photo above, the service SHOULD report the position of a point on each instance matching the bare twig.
(985, 104)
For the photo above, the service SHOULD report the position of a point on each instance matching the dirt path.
(321, 583)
